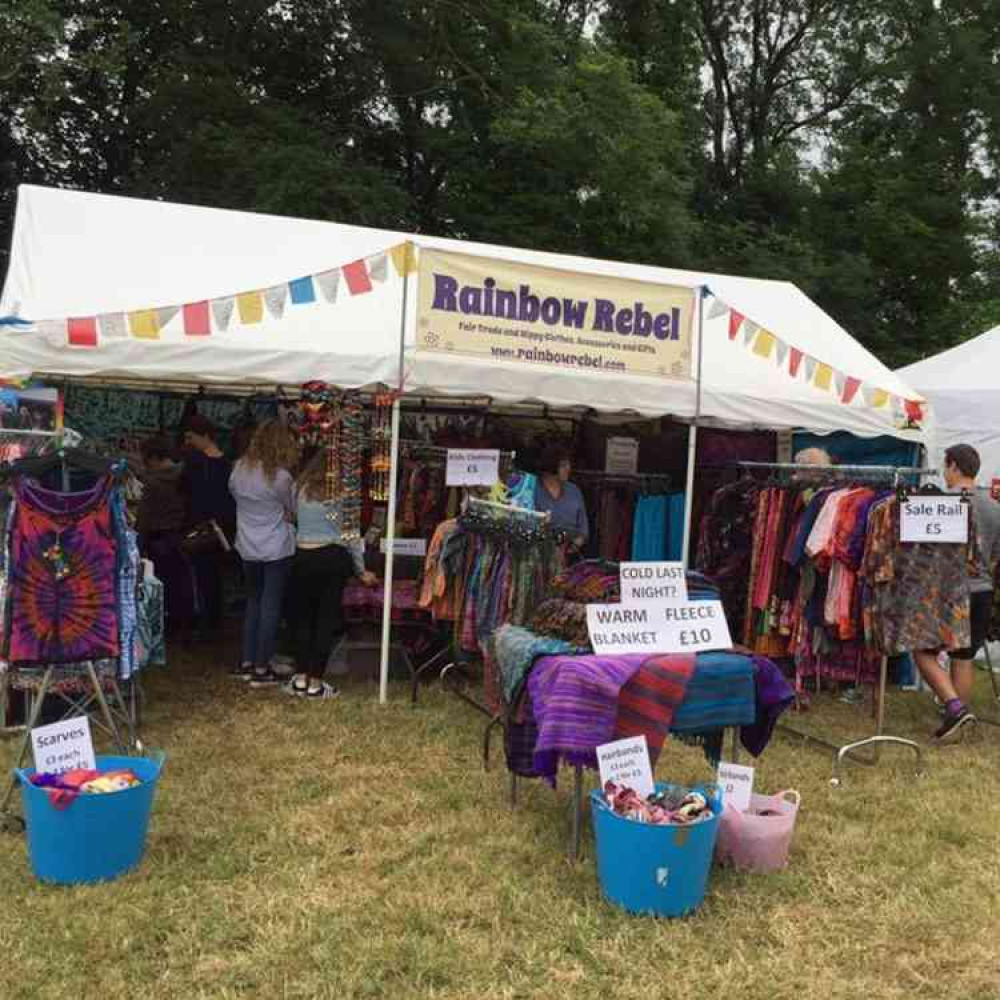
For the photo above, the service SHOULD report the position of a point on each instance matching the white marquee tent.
(963, 388)
(150, 293)
(85, 255)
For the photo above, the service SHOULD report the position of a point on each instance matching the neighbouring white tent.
(962, 385)
(76, 254)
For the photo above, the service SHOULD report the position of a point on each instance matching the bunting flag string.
(822, 376)
(207, 316)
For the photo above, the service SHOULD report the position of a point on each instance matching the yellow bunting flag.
(404, 258)
(765, 344)
(144, 324)
(824, 376)
(250, 306)
(880, 398)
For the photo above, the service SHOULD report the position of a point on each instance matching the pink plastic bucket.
(759, 839)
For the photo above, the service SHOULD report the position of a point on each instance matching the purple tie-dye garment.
(63, 602)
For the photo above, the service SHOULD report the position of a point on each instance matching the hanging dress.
(62, 576)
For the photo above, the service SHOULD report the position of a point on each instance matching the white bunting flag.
(275, 298)
(329, 284)
(222, 311)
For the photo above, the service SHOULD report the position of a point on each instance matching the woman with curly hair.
(264, 490)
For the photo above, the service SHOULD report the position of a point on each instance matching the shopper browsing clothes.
(324, 563)
(556, 495)
(961, 466)
(264, 490)
(160, 521)
(205, 482)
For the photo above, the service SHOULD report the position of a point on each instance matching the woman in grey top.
(264, 491)
(324, 563)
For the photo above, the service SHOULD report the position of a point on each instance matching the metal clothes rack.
(853, 470)
(506, 508)
(116, 716)
(878, 739)
(659, 478)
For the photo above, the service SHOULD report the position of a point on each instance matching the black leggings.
(318, 580)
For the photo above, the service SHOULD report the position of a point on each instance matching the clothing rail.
(432, 449)
(901, 470)
(16, 432)
(630, 476)
(508, 508)
(878, 738)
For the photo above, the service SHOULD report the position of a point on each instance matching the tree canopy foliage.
(850, 146)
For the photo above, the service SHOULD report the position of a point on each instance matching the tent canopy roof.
(81, 254)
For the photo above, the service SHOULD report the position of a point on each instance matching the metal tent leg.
(36, 711)
(576, 814)
(875, 742)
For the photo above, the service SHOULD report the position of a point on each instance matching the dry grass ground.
(347, 850)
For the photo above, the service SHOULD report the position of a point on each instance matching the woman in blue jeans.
(264, 491)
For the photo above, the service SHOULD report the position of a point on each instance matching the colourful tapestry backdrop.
(505, 311)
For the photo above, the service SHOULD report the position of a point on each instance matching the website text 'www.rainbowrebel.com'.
(544, 356)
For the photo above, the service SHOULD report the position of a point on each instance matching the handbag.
(204, 539)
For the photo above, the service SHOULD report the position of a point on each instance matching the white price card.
(405, 546)
(651, 582)
(736, 782)
(683, 627)
(626, 762)
(621, 456)
(63, 746)
(478, 467)
(941, 520)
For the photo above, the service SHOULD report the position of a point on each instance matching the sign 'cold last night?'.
(509, 312)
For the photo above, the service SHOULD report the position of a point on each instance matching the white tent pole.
(390, 534)
(390, 540)
(693, 434)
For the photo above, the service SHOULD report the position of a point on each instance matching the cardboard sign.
(405, 546)
(684, 627)
(653, 582)
(626, 762)
(63, 746)
(942, 520)
(479, 467)
(736, 782)
(621, 456)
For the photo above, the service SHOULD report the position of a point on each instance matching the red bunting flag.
(851, 387)
(356, 276)
(914, 411)
(196, 319)
(83, 332)
(795, 361)
(735, 321)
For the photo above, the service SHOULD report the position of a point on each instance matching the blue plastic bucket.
(98, 837)
(658, 870)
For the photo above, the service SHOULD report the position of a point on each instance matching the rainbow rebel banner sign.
(504, 311)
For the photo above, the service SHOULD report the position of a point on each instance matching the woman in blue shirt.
(559, 497)
(324, 563)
